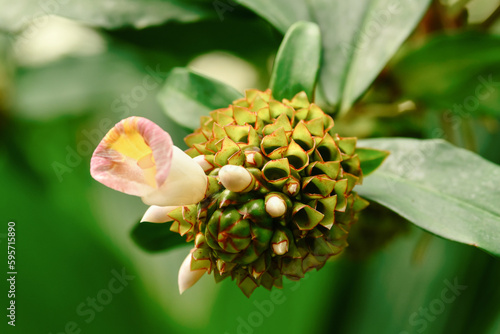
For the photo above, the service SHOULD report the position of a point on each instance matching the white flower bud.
(275, 206)
(280, 248)
(235, 178)
(250, 157)
(200, 160)
(187, 277)
(157, 214)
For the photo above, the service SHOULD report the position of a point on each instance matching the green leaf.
(107, 14)
(297, 62)
(154, 237)
(280, 13)
(359, 37)
(446, 190)
(186, 96)
(458, 72)
(370, 158)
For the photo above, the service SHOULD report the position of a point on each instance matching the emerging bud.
(236, 178)
(275, 206)
(187, 277)
(292, 187)
(280, 242)
(200, 160)
(253, 159)
(157, 214)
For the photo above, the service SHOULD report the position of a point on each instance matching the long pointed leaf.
(297, 62)
(446, 190)
(106, 14)
(359, 37)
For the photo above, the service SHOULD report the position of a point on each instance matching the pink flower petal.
(134, 157)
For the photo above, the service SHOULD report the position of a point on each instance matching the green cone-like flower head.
(279, 199)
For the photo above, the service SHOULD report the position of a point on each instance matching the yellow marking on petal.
(130, 143)
(146, 161)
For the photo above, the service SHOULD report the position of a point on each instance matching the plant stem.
(469, 136)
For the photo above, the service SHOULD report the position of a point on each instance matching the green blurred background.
(65, 82)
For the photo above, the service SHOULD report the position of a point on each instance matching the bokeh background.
(66, 79)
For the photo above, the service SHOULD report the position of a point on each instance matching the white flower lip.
(186, 183)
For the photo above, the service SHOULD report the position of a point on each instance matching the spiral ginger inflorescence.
(290, 204)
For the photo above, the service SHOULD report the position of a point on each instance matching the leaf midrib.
(495, 215)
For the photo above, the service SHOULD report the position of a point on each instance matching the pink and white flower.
(138, 158)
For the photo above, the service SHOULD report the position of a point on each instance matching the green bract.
(296, 211)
